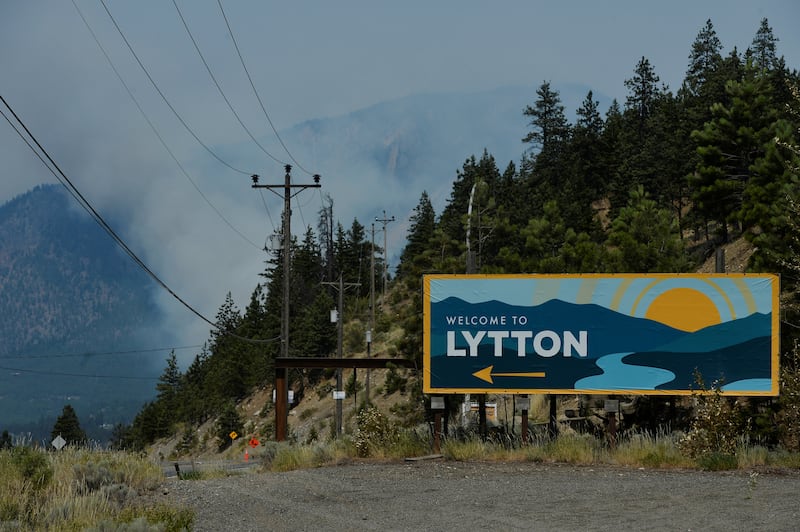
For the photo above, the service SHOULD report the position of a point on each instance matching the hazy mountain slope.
(65, 288)
(389, 153)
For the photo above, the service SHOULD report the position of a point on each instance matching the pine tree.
(728, 146)
(704, 60)
(5, 441)
(763, 50)
(587, 172)
(68, 427)
(229, 421)
(643, 93)
(644, 238)
(547, 120)
(550, 133)
(420, 232)
(168, 387)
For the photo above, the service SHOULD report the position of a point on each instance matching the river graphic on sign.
(643, 334)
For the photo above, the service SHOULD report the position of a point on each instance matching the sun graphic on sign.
(686, 309)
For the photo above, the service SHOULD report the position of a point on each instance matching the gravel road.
(444, 495)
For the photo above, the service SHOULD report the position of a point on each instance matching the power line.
(253, 86)
(101, 353)
(155, 130)
(65, 181)
(219, 88)
(63, 374)
(166, 101)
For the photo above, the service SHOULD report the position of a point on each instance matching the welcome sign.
(642, 334)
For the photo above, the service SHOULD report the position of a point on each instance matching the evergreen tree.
(643, 94)
(227, 370)
(728, 146)
(420, 232)
(645, 239)
(5, 441)
(68, 427)
(612, 139)
(547, 120)
(194, 400)
(550, 133)
(587, 172)
(168, 387)
(704, 60)
(170, 380)
(229, 421)
(763, 51)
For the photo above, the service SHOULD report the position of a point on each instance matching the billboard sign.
(644, 334)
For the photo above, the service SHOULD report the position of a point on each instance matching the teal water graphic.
(620, 376)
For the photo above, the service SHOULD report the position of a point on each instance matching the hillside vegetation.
(657, 184)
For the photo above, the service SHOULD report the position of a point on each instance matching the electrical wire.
(255, 92)
(269, 215)
(166, 101)
(101, 353)
(219, 88)
(62, 374)
(67, 183)
(155, 131)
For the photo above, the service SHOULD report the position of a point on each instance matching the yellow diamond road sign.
(233, 435)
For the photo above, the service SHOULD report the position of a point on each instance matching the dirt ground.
(445, 495)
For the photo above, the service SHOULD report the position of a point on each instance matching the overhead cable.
(66, 182)
(219, 88)
(157, 134)
(258, 97)
(88, 354)
(166, 101)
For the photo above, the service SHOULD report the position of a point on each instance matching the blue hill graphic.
(746, 360)
(722, 335)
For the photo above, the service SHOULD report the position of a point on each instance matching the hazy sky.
(308, 59)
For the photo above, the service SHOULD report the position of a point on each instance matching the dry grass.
(76, 489)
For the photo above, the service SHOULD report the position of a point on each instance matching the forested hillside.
(652, 184)
(68, 296)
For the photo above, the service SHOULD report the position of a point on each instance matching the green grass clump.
(462, 451)
(717, 461)
(651, 451)
(569, 448)
(289, 458)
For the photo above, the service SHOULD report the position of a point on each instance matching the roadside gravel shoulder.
(445, 495)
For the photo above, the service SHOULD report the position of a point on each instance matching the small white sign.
(437, 402)
(339, 394)
(612, 405)
(523, 403)
(59, 442)
(290, 396)
(334, 316)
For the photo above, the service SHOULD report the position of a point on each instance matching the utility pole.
(371, 304)
(287, 243)
(340, 286)
(385, 221)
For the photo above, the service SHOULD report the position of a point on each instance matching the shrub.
(33, 465)
(718, 426)
(374, 432)
(394, 382)
(788, 417)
